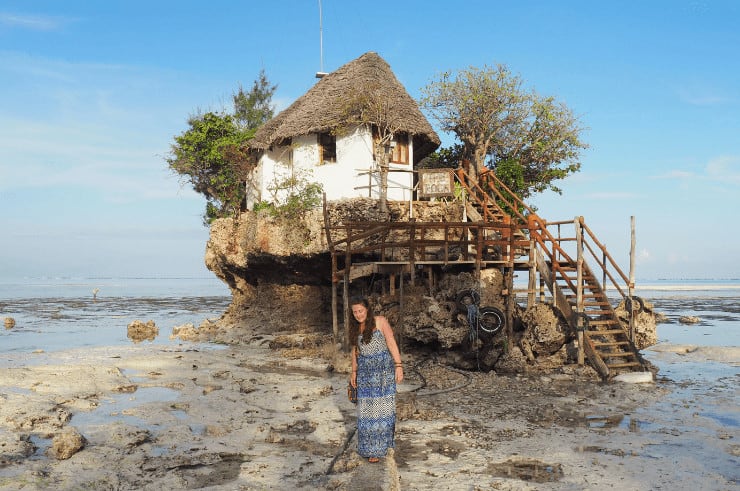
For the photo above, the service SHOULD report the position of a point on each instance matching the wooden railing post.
(631, 286)
(334, 319)
(603, 270)
(532, 284)
(345, 292)
(579, 289)
(412, 251)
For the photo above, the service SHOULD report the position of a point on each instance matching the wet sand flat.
(189, 417)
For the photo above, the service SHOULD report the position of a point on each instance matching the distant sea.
(62, 313)
(715, 302)
(53, 314)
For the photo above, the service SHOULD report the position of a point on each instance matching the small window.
(327, 148)
(398, 150)
(400, 154)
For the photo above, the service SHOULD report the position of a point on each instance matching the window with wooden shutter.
(327, 148)
(400, 151)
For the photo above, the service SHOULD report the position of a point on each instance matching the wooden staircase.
(501, 231)
(606, 343)
(575, 290)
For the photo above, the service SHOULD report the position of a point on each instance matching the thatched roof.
(321, 109)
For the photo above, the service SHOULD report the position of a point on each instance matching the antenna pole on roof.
(321, 72)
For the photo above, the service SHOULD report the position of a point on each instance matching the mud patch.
(527, 470)
(596, 449)
(208, 469)
(447, 448)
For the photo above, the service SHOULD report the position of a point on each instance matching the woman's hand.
(353, 379)
(399, 374)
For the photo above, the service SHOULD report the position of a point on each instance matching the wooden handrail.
(604, 251)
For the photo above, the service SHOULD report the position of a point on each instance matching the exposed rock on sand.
(66, 443)
(139, 331)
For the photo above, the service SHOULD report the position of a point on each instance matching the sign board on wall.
(435, 183)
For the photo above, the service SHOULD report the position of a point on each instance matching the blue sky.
(92, 94)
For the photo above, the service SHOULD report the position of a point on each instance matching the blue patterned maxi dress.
(376, 397)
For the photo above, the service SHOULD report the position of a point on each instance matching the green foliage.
(254, 108)
(511, 173)
(528, 140)
(445, 157)
(298, 203)
(213, 153)
(294, 194)
(213, 156)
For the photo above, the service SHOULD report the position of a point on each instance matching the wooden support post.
(346, 307)
(400, 338)
(412, 252)
(509, 282)
(478, 252)
(631, 286)
(345, 293)
(542, 289)
(392, 284)
(532, 284)
(334, 319)
(579, 289)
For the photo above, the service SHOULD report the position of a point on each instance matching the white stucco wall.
(346, 178)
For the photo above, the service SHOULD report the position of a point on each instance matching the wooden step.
(605, 332)
(598, 344)
(624, 365)
(594, 309)
(608, 322)
(585, 278)
(621, 354)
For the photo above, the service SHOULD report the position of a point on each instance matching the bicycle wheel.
(465, 298)
(491, 319)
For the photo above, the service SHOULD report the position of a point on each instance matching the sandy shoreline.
(246, 417)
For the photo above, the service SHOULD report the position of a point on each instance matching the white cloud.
(724, 169)
(98, 127)
(702, 98)
(676, 174)
(32, 22)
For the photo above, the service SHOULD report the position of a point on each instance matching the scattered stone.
(139, 331)
(66, 444)
(544, 330)
(660, 318)
(689, 319)
(645, 322)
(207, 331)
(9, 323)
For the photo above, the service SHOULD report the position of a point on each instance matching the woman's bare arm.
(390, 340)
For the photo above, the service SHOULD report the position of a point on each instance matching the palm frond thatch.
(321, 108)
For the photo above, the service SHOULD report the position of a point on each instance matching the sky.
(92, 95)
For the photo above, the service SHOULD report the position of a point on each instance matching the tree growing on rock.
(213, 153)
(528, 140)
(370, 106)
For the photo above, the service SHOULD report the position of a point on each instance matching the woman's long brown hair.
(354, 326)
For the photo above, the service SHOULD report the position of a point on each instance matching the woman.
(376, 368)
